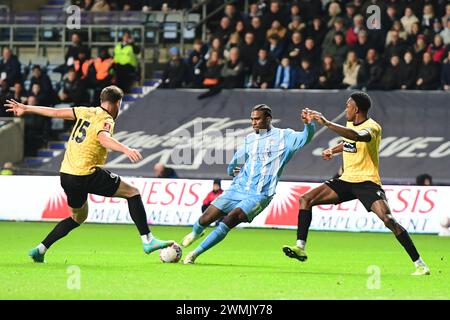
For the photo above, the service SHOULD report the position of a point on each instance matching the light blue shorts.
(252, 205)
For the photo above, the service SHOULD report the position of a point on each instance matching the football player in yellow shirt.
(81, 171)
(360, 179)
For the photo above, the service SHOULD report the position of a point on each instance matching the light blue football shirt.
(263, 157)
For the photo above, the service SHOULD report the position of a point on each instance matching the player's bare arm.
(363, 135)
(20, 109)
(110, 143)
(327, 154)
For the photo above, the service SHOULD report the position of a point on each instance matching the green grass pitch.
(248, 264)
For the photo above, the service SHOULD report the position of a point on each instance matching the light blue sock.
(213, 238)
(197, 228)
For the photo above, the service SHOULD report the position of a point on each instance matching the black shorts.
(367, 192)
(102, 182)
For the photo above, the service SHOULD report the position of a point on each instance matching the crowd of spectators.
(321, 45)
(82, 77)
(81, 73)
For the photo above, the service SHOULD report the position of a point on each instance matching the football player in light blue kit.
(263, 157)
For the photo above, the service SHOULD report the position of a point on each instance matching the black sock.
(304, 221)
(59, 231)
(407, 243)
(138, 215)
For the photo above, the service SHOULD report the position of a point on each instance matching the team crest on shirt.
(350, 147)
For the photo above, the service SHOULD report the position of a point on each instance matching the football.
(171, 254)
(445, 222)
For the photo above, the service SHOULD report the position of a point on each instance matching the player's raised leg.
(323, 194)
(62, 229)
(382, 210)
(234, 218)
(139, 217)
(210, 215)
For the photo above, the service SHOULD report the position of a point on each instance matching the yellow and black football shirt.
(84, 152)
(361, 160)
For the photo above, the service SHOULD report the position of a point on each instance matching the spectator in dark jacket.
(9, 68)
(391, 79)
(75, 48)
(47, 94)
(4, 95)
(307, 75)
(409, 72)
(263, 73)
(249, 52)
(317, 30)
(371, 72)
(428, 75)
(73, 90)
(258, 30)
(311, 8)
(397, 46)
(224, 30)
(37, 92)
(286, 77)
(445, 76)
(196, 63)
(377, 39)
(275, 47)
(233, 71)
(231, 13)
(337, 49)
(275, 12)
(362, 45)
(311, 52)
(330, 75)
(175, 71)
(254, 10)
(295, 47)
(19, 93)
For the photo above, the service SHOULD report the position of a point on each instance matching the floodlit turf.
(248, 264)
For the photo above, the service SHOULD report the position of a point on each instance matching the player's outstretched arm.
(20, 109)
(110, 143)
(327, 154)
(308, 121)
(236, 163)
(345, 132)
(296, 140)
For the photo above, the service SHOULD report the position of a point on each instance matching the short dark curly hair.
(362, 100)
